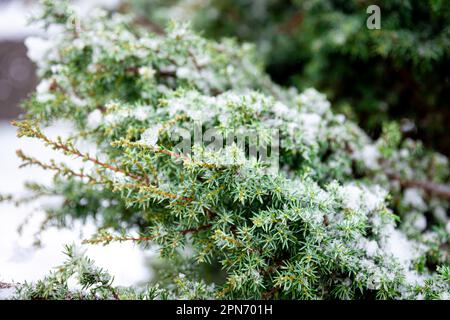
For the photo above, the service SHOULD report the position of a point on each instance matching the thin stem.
(440, 190)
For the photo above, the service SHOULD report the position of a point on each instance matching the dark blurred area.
(17, 72)
(17, 77)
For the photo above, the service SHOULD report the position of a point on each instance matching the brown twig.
(62, 169)
(110, 238)
(440, 190)
(156, 190)
(4, 285)
(293, 23)
(195, 230)
(26, 129)
(268, 294)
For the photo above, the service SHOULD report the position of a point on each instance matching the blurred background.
(398, 73)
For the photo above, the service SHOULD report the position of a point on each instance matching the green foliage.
(79, 279)
(94, 281)
(323, 226)
(397, 72)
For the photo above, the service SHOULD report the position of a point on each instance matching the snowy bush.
(336, 216)
(326, 44)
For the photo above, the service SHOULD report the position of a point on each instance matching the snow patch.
(151, 135)
(37, 48)
(413, 197)
(369, 155)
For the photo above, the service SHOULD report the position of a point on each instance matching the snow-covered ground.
(19, 259)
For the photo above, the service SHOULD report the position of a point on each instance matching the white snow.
(356, 197)
(371, 248)
(399, 246)
(352, 195)
(141, 113)
(440, 213)
(94, 119)
(314, 101)
(413, 197)
(369, 155)
(43, 91)
(6, 293)
(405, 251)
(374, 197)
(310, 125)
(37, 48)
(14, 16)
(13, 21)
(150, 136)
(420, 222)
(19, 260)
(280, 109)
(183, 72)
(147, 72)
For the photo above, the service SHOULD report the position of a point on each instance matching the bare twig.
(437, 189)
(4, 285)
(111, 238)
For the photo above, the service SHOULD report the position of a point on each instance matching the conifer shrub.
(398, 72)
(328, 213)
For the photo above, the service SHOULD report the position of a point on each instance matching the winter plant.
(336, 216)
(396, 72)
